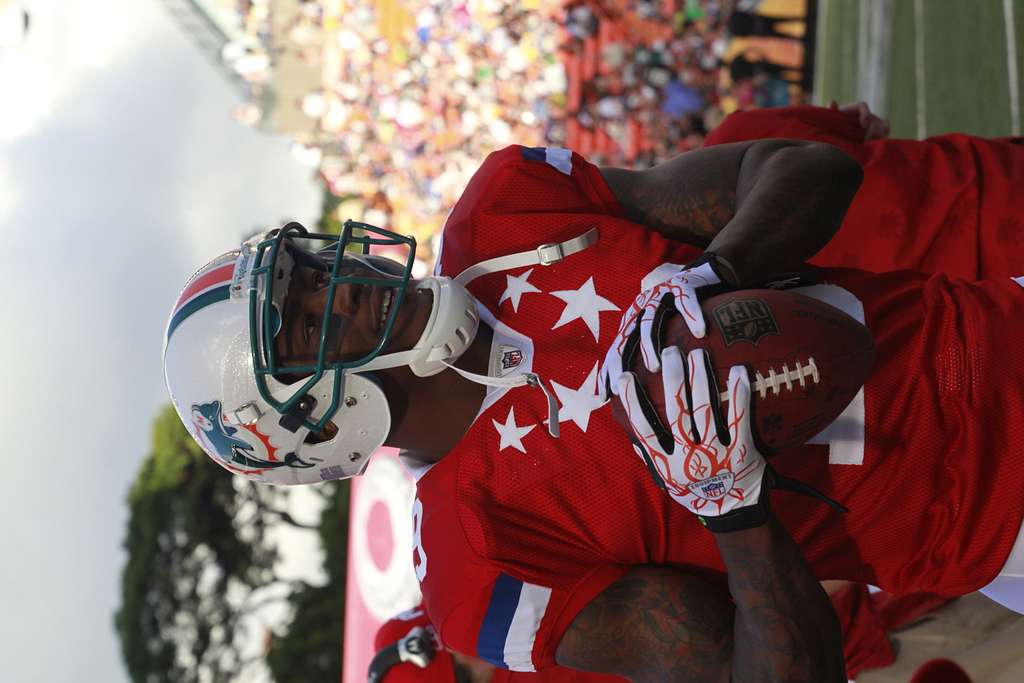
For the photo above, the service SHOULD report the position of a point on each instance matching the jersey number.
(845, 436)
(419, 556)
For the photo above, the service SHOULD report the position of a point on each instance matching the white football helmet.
(245, 408)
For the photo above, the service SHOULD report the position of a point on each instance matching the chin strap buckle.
(545, 255)
(549, 253)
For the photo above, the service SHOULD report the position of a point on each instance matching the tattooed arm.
(656, 623)
(786, 629)
(762, 206)
(659, 624)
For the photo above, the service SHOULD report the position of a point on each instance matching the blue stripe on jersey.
(490, 643)
(534, 153)
(557, 157)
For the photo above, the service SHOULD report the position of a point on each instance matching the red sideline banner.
(381, 581)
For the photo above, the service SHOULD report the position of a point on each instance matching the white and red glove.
(711, 466)
(682, 288)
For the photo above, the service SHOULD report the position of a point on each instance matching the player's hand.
(875, 127)
(712, 468)
(682, 287)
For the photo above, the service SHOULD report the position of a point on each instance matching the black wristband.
(758, 514)
(747, 517)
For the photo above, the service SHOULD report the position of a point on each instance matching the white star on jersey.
(583, 303)
(510, 433)
(515, 287)
(578, 404)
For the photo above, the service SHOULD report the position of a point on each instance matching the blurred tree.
(200, 561)
(308, 648)
(194, 572)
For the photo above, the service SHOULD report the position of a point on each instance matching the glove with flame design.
(679, 290)
(712, 466)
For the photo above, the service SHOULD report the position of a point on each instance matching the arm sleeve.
(516, 624)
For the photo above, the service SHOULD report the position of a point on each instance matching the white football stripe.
(845, 436)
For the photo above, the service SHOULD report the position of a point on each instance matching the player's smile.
(380, 304)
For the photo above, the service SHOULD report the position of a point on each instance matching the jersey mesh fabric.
(497, 194)
(943, 474)
(561, 206)
(935, 500)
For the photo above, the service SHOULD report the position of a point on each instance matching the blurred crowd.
(658, 74)
(416, 93)
(409, 121)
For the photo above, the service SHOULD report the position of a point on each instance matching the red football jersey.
(946, 204)
(516, 531)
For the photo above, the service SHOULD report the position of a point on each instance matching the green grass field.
(933, 66)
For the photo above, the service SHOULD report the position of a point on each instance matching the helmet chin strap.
(454, 321)
(531, 379)
(451, 328)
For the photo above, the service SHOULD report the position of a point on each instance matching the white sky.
(120, 173)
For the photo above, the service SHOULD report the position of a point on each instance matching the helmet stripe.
(217, 276)
(211, 296)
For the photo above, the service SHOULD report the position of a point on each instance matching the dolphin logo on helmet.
(209, 421)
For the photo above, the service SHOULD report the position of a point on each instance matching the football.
(807, 360)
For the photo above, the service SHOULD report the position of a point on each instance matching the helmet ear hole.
(329, 431)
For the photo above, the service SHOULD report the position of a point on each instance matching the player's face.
(357, 318)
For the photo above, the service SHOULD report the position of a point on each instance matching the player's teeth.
(385, 305)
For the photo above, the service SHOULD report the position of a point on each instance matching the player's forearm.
(785, 628)
(791, 204)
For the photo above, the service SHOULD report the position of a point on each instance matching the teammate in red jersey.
(541, 537)
(398, 642)
(944, 204)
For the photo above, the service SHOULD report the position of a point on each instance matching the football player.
(541, 537)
